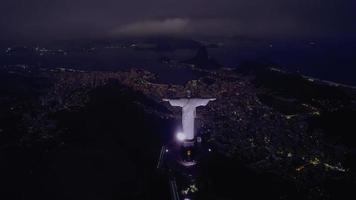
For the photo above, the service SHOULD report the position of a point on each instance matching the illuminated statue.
(188, 114)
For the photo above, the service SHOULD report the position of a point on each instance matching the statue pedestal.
(188, 143)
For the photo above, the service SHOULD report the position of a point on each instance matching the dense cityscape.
(247, 122)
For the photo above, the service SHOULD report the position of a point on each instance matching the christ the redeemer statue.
(188, 113)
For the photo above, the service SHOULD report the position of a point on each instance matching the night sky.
(61, 19)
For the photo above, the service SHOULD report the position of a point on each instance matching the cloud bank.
(207, 27)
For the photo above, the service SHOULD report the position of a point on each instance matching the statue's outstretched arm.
(204, 102)
(176, 102)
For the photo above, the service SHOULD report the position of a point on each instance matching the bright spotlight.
(180, 136)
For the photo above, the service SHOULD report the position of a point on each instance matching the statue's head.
(189, 94)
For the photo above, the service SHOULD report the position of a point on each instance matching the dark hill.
(203, 60)
(108, 149)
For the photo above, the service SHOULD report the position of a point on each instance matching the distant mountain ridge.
(203, 60)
